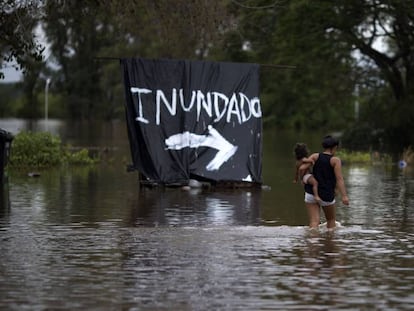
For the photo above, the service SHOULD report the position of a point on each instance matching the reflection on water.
(15, 126)
(109, 266)
(175, 207)
(4, 200)
(90, 238)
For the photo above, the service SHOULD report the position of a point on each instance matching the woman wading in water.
(328, 172)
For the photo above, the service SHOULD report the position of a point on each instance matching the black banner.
(194, 119)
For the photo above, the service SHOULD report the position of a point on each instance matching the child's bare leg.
(312, 181)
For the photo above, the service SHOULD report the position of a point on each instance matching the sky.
(10, 74)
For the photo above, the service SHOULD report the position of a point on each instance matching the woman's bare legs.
(314, 214)
(329, 212)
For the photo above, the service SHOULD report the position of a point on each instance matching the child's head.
(301, 151)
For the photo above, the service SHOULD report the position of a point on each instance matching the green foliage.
(383, 74)
(172, 29)
(354, 156)
(317, 94)
(80, 32)
(362, 138)
(9, 94)
(17, 41)
(35, 149)
(43, 150)
(363, 157)
(55, 105)
(331, 43)
(80, 157)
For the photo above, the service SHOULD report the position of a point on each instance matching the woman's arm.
(313, 157)
(337, 166)
(308, 160)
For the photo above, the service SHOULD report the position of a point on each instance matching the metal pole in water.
(356, 104)
(46, 101)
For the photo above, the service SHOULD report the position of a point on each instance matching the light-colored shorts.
(306, 178)
(309, 198)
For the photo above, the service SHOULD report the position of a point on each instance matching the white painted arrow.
(213, 140)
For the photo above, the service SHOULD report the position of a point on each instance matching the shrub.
(43, 149)
(354, 156)
(363, 157)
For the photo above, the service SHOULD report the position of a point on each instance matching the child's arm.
(295, 179)
(306, 163)
(305, 166)
(303, 169)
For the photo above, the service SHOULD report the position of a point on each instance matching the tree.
(78, 31)
(171, 29)
(315, 95)
(382, 32)
(17, 41)
(338, 47)
(31, 85)
(83, 33)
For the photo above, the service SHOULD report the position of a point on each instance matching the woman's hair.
(301, 151)
(329, 142)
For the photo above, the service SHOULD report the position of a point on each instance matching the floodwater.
(91, 239)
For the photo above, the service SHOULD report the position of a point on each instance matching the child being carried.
(303, 169)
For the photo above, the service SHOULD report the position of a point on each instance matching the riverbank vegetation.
(43, 150)
(326, 65)
(363, 157)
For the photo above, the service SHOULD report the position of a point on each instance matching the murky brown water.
(90, 239)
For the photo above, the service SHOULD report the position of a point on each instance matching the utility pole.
(46, 102)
